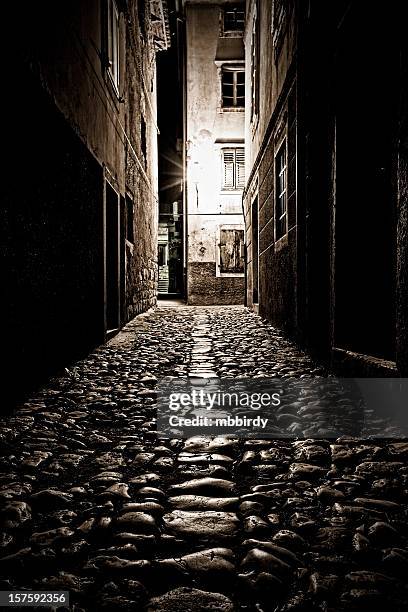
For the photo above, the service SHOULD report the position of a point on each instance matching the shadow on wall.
(52, 222)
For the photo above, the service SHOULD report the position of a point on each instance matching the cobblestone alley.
(95, 504)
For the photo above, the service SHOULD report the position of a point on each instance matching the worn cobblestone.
(94, 503)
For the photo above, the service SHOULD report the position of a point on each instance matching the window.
(280, 192)
(255, 57)
(233, 87)
(280, 9)
(112, 40)
(233, 166)
(234, 18)
(231, 251)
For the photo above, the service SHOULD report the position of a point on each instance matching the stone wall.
(206, 289)
(141, 165)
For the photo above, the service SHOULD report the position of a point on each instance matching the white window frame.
(235, 186)
(234, 68)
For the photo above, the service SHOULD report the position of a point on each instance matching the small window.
(281, 192)
(112, 50)
(234, 18)
(233, 167)
(232, 251)
(233, 87)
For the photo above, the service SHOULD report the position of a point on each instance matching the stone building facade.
(80, 199)
(326, 198)
(215, 153)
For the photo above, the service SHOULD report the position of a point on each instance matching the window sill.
(281, 243)
(232, 34)
(230, 274)
(111, 87)
(231, 109)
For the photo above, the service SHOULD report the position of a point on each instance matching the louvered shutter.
(228, 163)
(240, 168)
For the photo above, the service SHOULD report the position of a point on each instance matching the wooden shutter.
(240, 168)
(228, 169)
(231, 251)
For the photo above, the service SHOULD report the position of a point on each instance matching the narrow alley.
(204, 217)
(95, 503)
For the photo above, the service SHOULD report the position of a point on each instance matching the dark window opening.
(280, 192)
(233, 166)
(142, 17)
(130, 235)
(233, 87)
(234, 18)
(162, 253)
(232, 251)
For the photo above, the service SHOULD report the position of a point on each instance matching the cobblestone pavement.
(94, 503)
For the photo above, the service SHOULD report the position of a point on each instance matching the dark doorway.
(365, 225)
(112, 260)
(255, 251)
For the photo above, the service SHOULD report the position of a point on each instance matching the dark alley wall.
(79, 212)
(335, 278)
(52, 223)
